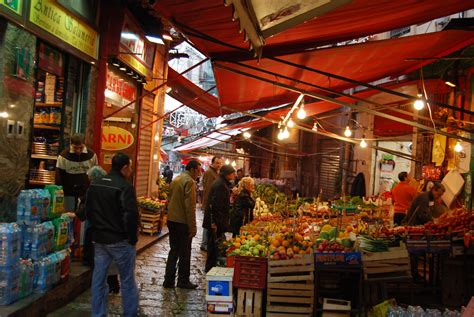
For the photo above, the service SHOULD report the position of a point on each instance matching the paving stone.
(154, 299)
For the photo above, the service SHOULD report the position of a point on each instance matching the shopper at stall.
(210, 175)
(242, 213)
(216, 216)
(403, 194)
(168, 174)
(112, 210)
(71, 173)
(238, 176)
(94, 174)
(421, 209)
(182, 226)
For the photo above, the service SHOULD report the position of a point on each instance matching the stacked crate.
(250, 279)
(290, 287)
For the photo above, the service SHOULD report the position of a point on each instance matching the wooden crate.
(249, 302)
(391, 264)
(290, 287)
(150, 222)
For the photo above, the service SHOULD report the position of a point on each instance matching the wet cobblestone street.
(154, 299)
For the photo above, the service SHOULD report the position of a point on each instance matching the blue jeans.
(123, 254)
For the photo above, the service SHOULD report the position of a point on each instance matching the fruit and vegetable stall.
(299, 253)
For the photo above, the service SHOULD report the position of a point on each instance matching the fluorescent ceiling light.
(129, 36)
(155, 39)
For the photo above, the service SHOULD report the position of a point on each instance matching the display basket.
(250, 272)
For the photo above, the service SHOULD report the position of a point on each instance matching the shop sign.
(54, 19)
(139, 53)
(15, 6)
(116, 138)
(120, 87)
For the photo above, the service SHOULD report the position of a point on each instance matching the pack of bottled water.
(38, 240)
(10, 244)
(9, 284)
(417, 311)
(43, 278)
(33, 206)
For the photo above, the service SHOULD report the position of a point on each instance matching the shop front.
(48, 53)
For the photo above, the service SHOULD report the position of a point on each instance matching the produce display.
(150, 203)
(163, 188)
(269, 194)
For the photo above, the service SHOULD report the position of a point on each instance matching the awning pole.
(335, 92)
(344, 104)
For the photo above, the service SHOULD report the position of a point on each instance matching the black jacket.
(217, 210)
(71, 171)
(242, 212)
(111, 207)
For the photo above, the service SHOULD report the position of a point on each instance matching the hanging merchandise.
(439, 149)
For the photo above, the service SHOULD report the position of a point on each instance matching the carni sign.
(54, 19)
(115, 138)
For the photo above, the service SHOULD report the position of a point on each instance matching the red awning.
(163, 156)
(356, 19)
(191, 95)
(366, 62)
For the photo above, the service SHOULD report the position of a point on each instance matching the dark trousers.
(180, 250)
(212, 249)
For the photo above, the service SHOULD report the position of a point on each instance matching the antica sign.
(115, 138)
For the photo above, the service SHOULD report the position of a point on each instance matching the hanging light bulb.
(301, 114)
(227, 162)
(286, 133)
(315, 127)
(247, 135)
(363, 144)
(419, 104)
(347, 132)
(290, 123)
(458, 147)
(234, 164)
(280, 135)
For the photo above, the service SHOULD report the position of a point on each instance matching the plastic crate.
(250, 272)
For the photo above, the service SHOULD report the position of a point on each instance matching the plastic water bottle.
(9, 285)
(26, 278)
(10, 244)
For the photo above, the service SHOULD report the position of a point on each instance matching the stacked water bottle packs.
(10, 248)
(41, 238)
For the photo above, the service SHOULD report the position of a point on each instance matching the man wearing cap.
(216, 215)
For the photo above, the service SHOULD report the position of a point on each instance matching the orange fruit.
(285, 243)
(276, 243)
(237, 244)
(296, 249)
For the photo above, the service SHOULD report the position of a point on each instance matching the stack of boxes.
(219, 294)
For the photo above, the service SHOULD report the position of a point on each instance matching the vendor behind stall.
(403, 195)
(421, 209)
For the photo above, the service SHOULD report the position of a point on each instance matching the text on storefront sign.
(116, 138)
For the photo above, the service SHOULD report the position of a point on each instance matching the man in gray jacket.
(182, 226)
(210, 175)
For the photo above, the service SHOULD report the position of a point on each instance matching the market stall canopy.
(357, 19)
(210, 139)
(191, 95)
(163, 156)
(365, 62)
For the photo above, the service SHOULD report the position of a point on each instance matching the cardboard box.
(219, 284)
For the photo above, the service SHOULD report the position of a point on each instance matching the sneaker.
(187, 285)
(168, 285)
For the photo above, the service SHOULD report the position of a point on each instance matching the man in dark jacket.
(216, 216)
(112, 210)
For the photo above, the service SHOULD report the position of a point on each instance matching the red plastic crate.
(230, 260)
(250, 272)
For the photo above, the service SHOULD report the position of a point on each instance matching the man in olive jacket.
(182, 226)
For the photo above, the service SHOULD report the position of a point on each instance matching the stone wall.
(16, 98)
